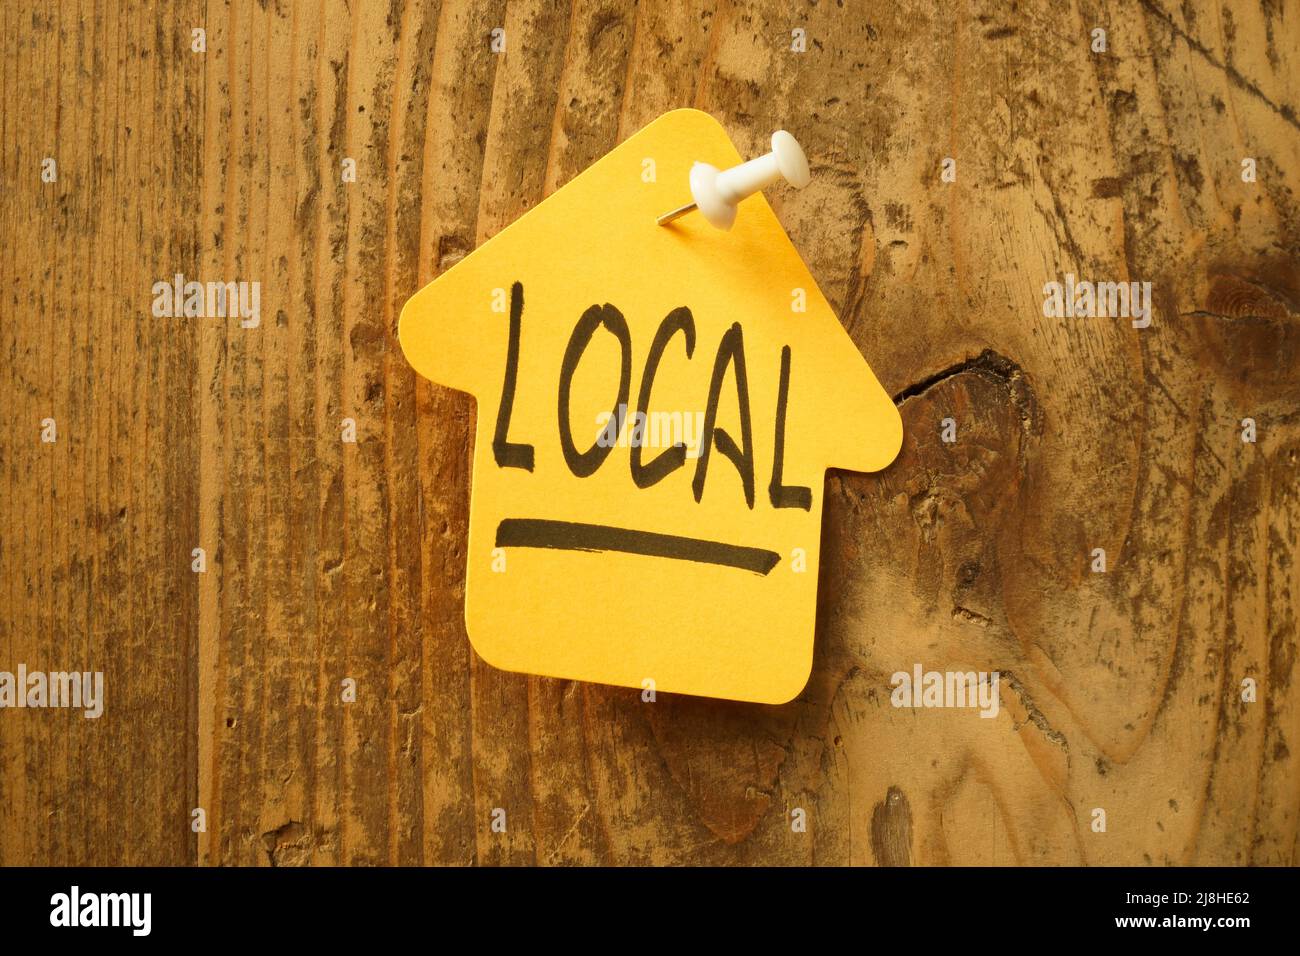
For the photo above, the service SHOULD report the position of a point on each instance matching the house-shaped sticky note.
(657, 407)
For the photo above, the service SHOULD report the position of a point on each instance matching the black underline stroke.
(576, 536)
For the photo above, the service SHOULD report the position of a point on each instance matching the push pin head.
(716, 192)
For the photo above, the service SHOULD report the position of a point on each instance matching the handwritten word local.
(731, 353)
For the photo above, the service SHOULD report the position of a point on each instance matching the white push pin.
(716, 192)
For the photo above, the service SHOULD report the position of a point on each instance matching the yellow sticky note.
(657, 407)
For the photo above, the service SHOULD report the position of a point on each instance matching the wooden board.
(329, 560)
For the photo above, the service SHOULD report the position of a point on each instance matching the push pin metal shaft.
(717, 192)
(677, 213)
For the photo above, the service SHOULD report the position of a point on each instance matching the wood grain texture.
(330, 560)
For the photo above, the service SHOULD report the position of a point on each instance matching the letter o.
(585, 463)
